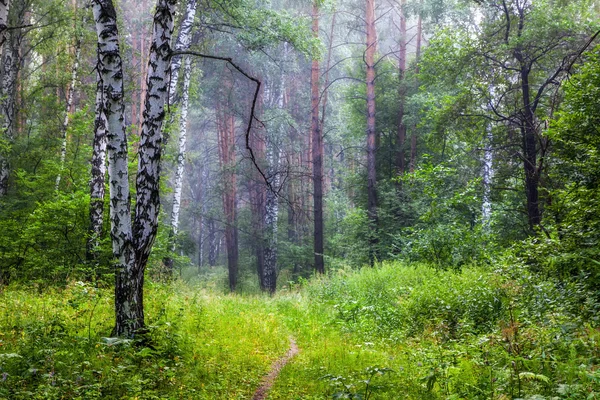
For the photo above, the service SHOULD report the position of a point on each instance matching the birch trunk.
(97, 181)
(184, 39)
(148, 174)
(132, 244)
(65, 124)
(9, 69)
(183, 121)
(4, 8)
(487, 175)
(271, 214)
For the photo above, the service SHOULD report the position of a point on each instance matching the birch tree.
(132, 239)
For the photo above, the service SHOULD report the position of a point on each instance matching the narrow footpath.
(268, 380)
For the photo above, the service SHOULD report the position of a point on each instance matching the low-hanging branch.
(229, 60)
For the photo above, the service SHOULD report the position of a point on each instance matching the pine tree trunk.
(371, 134)
(258, 194)
(317, 151)
(413, 138)
(226, 131)
(400, 161)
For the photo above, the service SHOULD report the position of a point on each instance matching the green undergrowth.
(390, 332)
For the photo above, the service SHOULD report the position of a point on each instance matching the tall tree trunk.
(317, 150)
(226, 131)
(70, 97)
(132, 244)
(400, 161)
(212, 241)
(9, 70)
(184, 39)
(4, 9)
(183, 122)
(487, 174)
(258, 193)
(413, 138)
(371, 134)
(271, 214)
(529, 134)
(98, 178)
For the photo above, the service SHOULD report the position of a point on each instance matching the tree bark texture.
(98, 177)
(184, 39)
(371, 134)
(178, 186)
(4, 9)
(226, 133)
(132, 244)
(9, 69)
(271, 215)
(317, 150)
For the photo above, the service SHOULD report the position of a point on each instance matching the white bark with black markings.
(184, 39)
(132, 244)
(187, 71)
(65, 125)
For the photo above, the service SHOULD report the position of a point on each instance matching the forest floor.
(391, 332)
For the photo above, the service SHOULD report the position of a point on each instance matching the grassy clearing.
(386, 333)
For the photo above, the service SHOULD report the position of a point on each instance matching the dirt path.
(268, 380)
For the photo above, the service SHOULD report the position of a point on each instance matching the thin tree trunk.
(400, 161)
(65, 124)
(212, 242)
(371, 134)
(184, 39)
(271, 215)
(183, 122)
(317, 150)
(258, 195)
(487, 174)
(413, 138)
(98, 178)
(226, 130)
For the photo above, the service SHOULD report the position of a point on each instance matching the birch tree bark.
(184, 39)
(65, 124)
(271, 215)
(183, 122)
(9, 69)
(132, 243)
(4, 9)
(98, 176)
